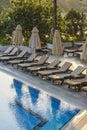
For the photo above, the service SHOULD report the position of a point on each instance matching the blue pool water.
(25, 108)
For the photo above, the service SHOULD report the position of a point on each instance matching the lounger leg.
(12, 64)
(40, 76)
(68, 86)
(62, 81)
(52, 81)
(86, 93)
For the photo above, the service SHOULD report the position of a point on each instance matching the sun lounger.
(28, 60)
(21, 55)
(73, 51)
(64, 76)
(76, 83)
(40, 62)
(52, 65)
(13, 53)
(7, 51)
(64, 68)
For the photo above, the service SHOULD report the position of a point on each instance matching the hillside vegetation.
(4, 4)
(65, 5)
(30, 13)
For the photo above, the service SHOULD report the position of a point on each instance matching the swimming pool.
(26, 108)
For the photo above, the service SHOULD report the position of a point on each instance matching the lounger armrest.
(34, 61)
(77, 76)
(11, 55)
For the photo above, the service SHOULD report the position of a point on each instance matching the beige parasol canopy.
(17, 38)
(57, 44)
(84, 52)
(34, 42)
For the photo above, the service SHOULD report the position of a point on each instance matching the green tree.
(75, 24)
(28, 14)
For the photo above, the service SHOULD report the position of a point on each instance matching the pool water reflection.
(56, 112)
(52, 113)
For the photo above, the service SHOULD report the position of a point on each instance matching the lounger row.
(13, 53)
(7, 51)
(51, 71)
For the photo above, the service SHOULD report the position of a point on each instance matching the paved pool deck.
(75, 98)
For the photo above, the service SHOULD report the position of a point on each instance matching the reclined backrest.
(22, 54)
(78, 70)
(54, 63)
(14, 51)
(65, 66)
(9, 49)
(32, 56)
(43, 59)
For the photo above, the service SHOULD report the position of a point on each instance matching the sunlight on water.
(26, 100)
(6, 94)
(6, 81)
(41, 105)
(24, 88)
(66, 106)
(13, 117)
(44, 105)
(63, 108)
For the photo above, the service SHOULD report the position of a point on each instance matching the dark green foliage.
(75, 24)
(28, 15)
